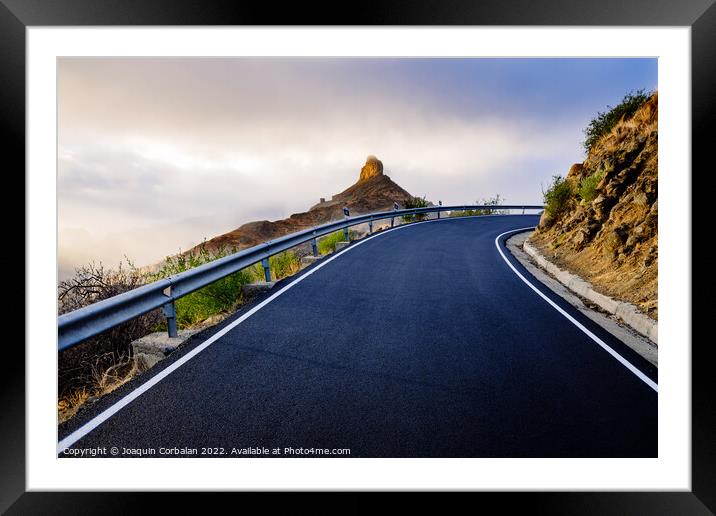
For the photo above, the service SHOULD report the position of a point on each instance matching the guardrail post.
(523, 210)
(346, 214)
(440, 203)
(170, 313)
(314, 247)
(370, 226)
(267, 269)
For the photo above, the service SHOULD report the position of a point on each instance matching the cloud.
(155, 154)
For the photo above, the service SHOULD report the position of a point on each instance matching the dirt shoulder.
(609, 322)
(636, 284)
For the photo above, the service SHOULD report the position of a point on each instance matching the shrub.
(104, 362)
(83, 370)
(605, 121)
(92, 283)
(415, 202)
(557, 196)
(221, 296)
(282, 265)
(587, 190)
(327, 244)
(492, 201)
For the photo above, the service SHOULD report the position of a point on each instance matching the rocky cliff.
(373, 167)
(374, 191)
(612, 240)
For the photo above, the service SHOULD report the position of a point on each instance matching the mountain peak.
(374, 191)
(373, 167)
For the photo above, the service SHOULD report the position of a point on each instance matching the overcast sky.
(154, 155)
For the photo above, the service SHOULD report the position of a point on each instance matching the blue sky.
(539, 88)
(155, 155)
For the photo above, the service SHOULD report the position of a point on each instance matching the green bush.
(220, 296)
(284, 264)
(415, 202)
(558, 196)
(328, 243)
(491, 201)
(604, 122)
(587, 190)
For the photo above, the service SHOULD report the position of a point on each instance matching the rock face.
(374, 191)
(373, 167)
(612, 241)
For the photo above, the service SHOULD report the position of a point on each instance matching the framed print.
(411, 249)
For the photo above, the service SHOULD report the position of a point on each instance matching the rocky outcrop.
(612, 241)
(374, 191)
(373, 167)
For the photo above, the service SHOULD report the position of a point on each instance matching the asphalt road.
(419, 342)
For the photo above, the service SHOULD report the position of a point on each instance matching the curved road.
(418, 342)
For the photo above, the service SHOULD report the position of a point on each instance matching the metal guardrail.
(79, 325)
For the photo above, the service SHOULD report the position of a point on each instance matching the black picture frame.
(700, 15)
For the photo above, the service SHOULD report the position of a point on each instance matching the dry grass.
(103, 381)
(627, 281)
(68, 405)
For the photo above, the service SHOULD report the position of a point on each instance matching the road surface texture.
(418, 342)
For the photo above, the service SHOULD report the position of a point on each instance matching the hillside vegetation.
(600, 221)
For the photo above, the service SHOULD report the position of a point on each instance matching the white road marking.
(596, 339)
(119, 405)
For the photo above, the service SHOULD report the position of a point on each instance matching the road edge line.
(579, 325)
(627, 312)
(110, 411)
